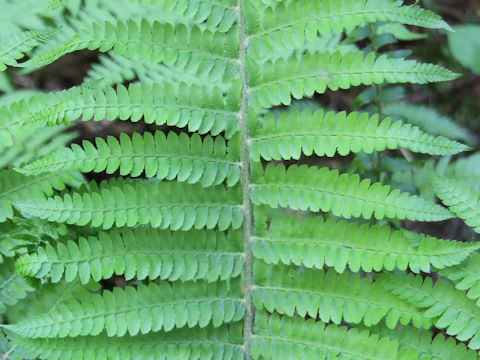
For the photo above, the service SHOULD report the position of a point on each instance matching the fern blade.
(288, 25)
(140, 254)
(284, 338)
(274, 83)
(162, 205)
(208, 343)
(304, 188)
(462, 200)
(149, 308)
(316, 242)
(450, 308)
(295, 133)
(330, 296)
(188, 159)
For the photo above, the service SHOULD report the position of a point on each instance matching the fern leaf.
(139, 253)
(27, 114)
(461, 199)
(466, 275)
(47, 297)
(295, 133)
(161, 204)
(119, 69)
(14, 46)
(273, 83)
(315, 243)
(156, 42)
(17, 187)
(467, 170)
(36, 144)
(429, 120)
(288, 24)
(331, 297)
(421, 344)
(219, 15)
(304, 188)
(148, 308)
(220, 343)
(180, 157)
(451, 308)
(285, 338)
(12, 287)
(201, 109)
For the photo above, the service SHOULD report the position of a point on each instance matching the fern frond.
(147, 308)
(208, 162)
(295, 133)
(27, 114)
(36, 144)
(199, 108)
(461, 199)
(12, 239)
(156, 42)
(47, 297)
(273, 83)
(451, 308)
(222, 343)
(429, 120)
(161, 204)
(331, 297)
(304, 188)
(17, 187)
(467, 170)
(421, 344)
(215, 15)
(466, 275)
(141, 254)
(12, 287)
(285, 338)
(315, 243)
(13, 47)
(288, 24)
(119, 69)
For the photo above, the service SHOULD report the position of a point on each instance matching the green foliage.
(466, 275)
(316, 242)
(184, 158)
(123, 203)
(12, 287)
(278, 338)
(148, 308)
(428, 120)
(211, 229)
(296, 133)
(465, 46)
(414, 344)
(450, 308)
(331, 297)
(462, 200)
(139, 254)
(206, 343)
(15, 187)
(274, 83)
(13, 47)
(310, 188)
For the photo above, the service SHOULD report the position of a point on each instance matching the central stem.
(247, 205)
